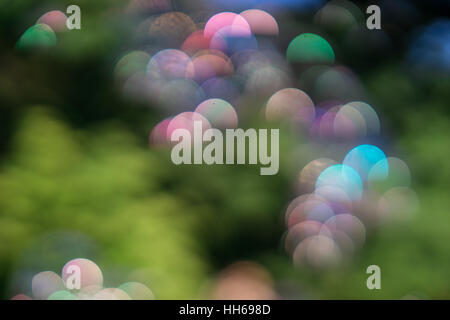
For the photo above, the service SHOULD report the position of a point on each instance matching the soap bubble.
(90, 273)
(363, 159)
(261, 22)
(220, 113)
(310, 48)
(137, 291)
(45, 283)
(343, 177)
(290, 103)
(54, 19)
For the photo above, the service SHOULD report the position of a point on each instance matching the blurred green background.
(77, 178)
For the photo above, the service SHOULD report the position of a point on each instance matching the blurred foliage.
(100, 183)
(103, 186)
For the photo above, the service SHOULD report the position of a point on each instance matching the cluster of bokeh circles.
(339, 203)
(216, 69)
(48, 285)
(43, 34)
(216, 66)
